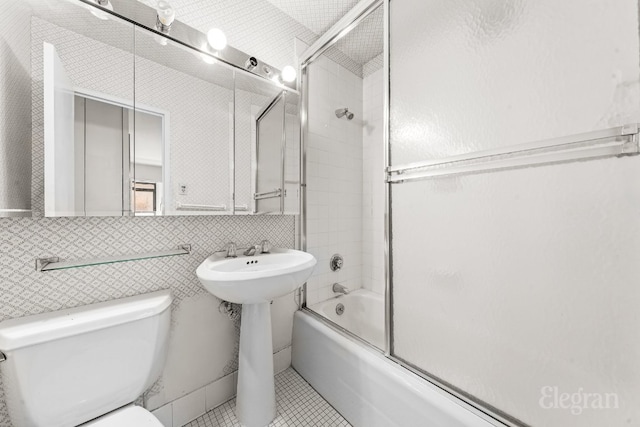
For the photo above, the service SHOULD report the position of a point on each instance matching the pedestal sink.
(254, 281)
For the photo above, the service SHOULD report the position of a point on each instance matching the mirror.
(188, 171)
(101, 117)
(265, 133)
(49, 54)
(268, 174)
(82, 69)
(292, 154)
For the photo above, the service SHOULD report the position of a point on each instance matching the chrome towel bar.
(268, 195)
(194, 207)
(613, 142)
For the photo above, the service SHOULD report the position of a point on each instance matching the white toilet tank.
(68, 367)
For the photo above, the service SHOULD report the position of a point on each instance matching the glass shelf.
(54, 263)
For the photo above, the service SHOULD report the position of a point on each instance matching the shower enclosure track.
(614, 142)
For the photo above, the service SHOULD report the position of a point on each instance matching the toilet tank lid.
(26, 331)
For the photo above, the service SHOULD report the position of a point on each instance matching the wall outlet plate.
(182, 189)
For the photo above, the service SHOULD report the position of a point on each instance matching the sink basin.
(256, 279)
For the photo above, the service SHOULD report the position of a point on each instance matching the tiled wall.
(345, 185)
(373, 182)
(334, 177)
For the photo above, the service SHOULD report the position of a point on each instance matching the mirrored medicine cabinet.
(102, 117)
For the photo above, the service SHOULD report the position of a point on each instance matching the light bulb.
(166, 14)
(217, 39)
(289, 74)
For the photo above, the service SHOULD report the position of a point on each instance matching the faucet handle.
(253, 250)
(231, 250)
(266, 246)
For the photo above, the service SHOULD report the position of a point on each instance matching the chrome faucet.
(340, 289)
(263, 248)
(266, 246)
(231, 250)
(253, 250)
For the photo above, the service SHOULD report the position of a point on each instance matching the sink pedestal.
(254, 281)
(256, 398)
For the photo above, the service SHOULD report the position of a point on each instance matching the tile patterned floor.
(298, 404)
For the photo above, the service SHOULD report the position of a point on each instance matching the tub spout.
(340, 289)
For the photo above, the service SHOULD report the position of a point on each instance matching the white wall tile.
(220, 391)
(164, 414)
(282, 360)
(189, 407)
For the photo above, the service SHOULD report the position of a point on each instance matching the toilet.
(85, 365)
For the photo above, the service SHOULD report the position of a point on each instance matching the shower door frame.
(351, 20)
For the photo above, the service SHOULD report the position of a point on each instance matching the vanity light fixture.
(289, 74)
(217, 39)
(105, 4)
(251, 63)
(165, 17)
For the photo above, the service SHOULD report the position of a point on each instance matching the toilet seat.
(129, 416)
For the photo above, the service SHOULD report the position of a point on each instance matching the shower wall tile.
(373, 183)
(334, 177)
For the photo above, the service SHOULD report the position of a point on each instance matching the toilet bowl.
(86, 365)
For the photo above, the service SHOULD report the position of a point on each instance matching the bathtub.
(363, 314)
(367, 388)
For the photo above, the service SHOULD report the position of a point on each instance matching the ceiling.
(316, 15)
(362, 44)
(366, 41)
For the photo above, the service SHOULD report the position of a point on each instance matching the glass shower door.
(514, 273)
(344, 142)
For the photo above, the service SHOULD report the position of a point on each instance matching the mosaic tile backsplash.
(24, 291)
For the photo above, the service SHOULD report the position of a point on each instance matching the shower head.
(340, 112)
